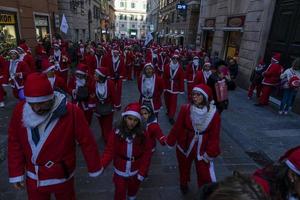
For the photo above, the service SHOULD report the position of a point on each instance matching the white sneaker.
(285, 112)
(2, 105)
(280, 112)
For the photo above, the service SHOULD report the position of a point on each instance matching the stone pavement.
(250, 136)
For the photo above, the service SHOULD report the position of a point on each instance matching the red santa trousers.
(205, 171)
(190, 87)
(251, 89)
(63, 75)
(1, 93)
(105, 123)
(137, 72)
(126, 188)
(129, 71)
(171, 103)
(118, 90)
(63, 191)
(265, 94)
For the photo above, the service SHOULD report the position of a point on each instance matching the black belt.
(132, 159)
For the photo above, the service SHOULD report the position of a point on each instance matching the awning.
(206, 28)
(239, 29)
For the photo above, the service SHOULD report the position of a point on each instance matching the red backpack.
(294, 82)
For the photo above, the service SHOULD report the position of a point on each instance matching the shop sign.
(7, 19)
(181, 6)
(236, 21)
(41, 21)
(210, 22)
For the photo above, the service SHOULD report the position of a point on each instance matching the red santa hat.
(175, 55)
(292, 159)
(102, 71)
(47, 66)
(149, 64)
(55, 44)
(195, 57)
(20, 49)
(207, 64)
(37, 88)
(132, 109)
(24, 47)
(204, 90)
(276, 57)
(82, 69)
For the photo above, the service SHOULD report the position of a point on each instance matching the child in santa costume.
(163, 60)
(103, 101)
(80, 88)
(61, 61)
(151, 88)
(116, 71)
(281, 180)
(153, 130)
(42, 137)
(196, 135)
(271, 79)
(2, 81)
(15, 74)
(174, 85)
(191, 72)
(57, 83)
(130, 151)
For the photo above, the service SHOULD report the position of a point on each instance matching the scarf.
(148, 86)
(52, 81)
(80, 83)
(57, 55)
(13, 65)
(101, 90)
(196, 63)
(206, 74)
(116, 61)
(201, 117)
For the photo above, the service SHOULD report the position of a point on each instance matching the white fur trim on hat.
(207, 63)
(275, 59)
(133, 113)
(292, 167)
(196, 89)
(13, 51)
(49, 68)
(100, 73)
(80, 72)
(149, 64)
(39, 99)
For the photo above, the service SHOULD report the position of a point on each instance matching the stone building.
(130, 18)
(250, 30)
(152, 15)
(178, 22)
(27, 20)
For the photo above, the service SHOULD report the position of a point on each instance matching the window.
(122, 4)
(135, 18)
(142, 17)
(131, 17)
(144, 6)
(132, 5)
(125, 17)
(121, 17)
(122, 25)
(133, 26)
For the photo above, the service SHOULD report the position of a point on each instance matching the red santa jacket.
(206, 143)
(52, 161)
(108, 97)
(199, 78)
(62, 61)
(116, 70)
(84, 105)
(40, 50)
(154, 132)
(175, 83)
(191, 71)
(162, 62)
(155, 97)
(2, 70)
(128, 58)
(60, 84)
(91, 61)
(16, 78)
(30, 62)
(261, 179)
(272, 74)
(130, 156)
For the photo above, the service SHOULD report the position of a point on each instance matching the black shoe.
(184, 189)
(171, 120)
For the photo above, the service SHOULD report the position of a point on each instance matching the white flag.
(149, 37)
(64, 25)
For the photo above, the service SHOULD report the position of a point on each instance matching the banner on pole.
(64, 25)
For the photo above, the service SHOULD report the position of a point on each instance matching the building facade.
(112, 19)
(178, 22)
(130, 18)
(27, 20)
(152, 15)
(250, 30)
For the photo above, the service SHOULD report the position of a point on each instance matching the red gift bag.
(221, 90)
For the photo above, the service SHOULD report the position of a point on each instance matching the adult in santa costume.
(90, 60)
(196, 135)
(57, 83)
(130, 151)
(128, 60)
(42, 137)
(101, 58)
(15, 74)
(103, 101)
(174, 85)
(163, 60)
(138, 64)
(81, 52)
(26, 57)
(61, 61)
(271, 79)
(151, 88)
(40, 53)
(281, 180)
(153, 130)
(2, 81)
(190, 75)
(80, 88)
(116, 71)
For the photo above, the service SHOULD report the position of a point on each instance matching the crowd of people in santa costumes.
(56, 101)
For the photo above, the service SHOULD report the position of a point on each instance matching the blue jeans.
(287, 99)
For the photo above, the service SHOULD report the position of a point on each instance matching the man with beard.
(42, 137)
(174, 85)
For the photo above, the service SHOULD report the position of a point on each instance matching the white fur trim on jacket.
(97, 173)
